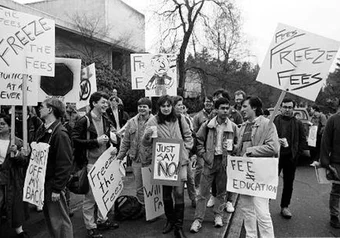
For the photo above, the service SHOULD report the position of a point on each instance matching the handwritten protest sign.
(253, 176)
(27, 43)
(11, 85)
(298, 61)
(65, 84)
(312, 136)
(166, 154)
(106, 181)
(156, 74)
(153, 195)
(35, 175)
(88, 85)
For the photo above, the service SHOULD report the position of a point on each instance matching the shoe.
(229, 207)
(335, 223)
(211, 201)
(93, 233)
(218, 221)
(193, 203)
(286, 213)
(23, 235)
(168, 227)
(107, 225)
(315, 164)
(195, 226)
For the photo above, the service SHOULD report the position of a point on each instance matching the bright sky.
(260, 18)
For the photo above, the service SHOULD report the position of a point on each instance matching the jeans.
(90, 211)
(191, 182)
(334, 200)
(255, 211)
(217, 171)
(288, 166)
(198, 171)
(137, 172)
(57, 219)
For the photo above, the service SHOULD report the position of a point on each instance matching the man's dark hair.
(145, 101)
(255, 102)
(222, 91)
(210, 98)
(287, 100)
(161, 118)
(96, 96)
(316, 108)
(221, 101)
(266, 112)
(6, 118)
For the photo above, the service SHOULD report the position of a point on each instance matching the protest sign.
(65, 84)
(11, 92)
(298, 61)
(27, 43)
(106, 181)
(253, 176)
(166, 155)
(153, 195)
(156, 74)
(35, 174)
(88, 85)
(312, 136)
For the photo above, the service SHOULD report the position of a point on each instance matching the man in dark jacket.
(330, 159)
(58, 168)
(292, 140)
(115, 113)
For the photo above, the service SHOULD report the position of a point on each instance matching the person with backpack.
(131, 145)
(215, 141)
(167, 124)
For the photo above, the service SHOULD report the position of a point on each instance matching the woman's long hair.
(161, 118)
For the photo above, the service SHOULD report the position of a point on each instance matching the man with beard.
(292, 140)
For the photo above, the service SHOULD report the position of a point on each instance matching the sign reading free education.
(253, 176)
(166, 158)
(34, 185)
(298, 61)
(106, 182)
(27, 43)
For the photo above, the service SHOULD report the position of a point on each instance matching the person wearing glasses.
(292, 140)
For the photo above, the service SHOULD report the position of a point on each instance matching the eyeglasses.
(3, 124)
(287, 107)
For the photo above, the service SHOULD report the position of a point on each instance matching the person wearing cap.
(59, 163)
(132, 145)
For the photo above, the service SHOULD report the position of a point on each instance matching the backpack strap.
(180, 125)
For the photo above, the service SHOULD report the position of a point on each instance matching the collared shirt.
(219, 137)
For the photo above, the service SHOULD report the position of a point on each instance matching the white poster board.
(298, 61)
(71, 66)
(11, 89)
(34, 185)
(153, 195)
(87, 86)
(312, 136)
(156, 74)
(253, 176)
(106, 181)
(27, 43)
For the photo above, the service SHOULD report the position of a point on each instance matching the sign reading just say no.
(298, 61)
(166, 161)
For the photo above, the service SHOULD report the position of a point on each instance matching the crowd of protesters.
(220, 129)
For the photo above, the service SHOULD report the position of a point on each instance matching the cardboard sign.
(153, 196)
(88, 85)
(65, 84)
(156, 74)
(27, 43)
(11, 89)
(106, 181)
(253, 176)
(298, 61)
(312, 136)
(166, 158)
(34, 185)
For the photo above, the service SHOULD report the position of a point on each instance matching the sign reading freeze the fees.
(166, 154)
(153, 195)
(106, 181)
(156, 74)
(253, 176)
(35, 175)
(27, 43)
(298, 61)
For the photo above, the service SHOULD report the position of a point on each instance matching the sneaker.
(107, 225)
(335, 223)
(286, 213)
(195, 226)
(218, 221)
(211, 201)
(93, 233)
(315, 164)
(229, 207)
